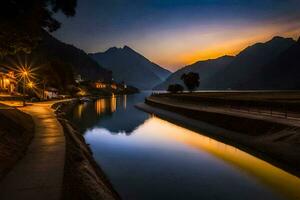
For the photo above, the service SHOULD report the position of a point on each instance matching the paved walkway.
(231, 112)
(39, 174)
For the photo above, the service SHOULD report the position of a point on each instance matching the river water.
(147, 158)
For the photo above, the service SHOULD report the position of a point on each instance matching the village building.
(51, 93)
(104, 85)
(8, 82)
(100, 85)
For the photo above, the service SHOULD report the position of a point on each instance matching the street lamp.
(30, 84)
(24, 74)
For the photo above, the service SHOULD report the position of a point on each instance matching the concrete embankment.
(17, 130)
(275, 142)
(83, 178)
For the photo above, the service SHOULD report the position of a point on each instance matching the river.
(147, 158)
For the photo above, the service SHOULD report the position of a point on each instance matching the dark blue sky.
(178, 32)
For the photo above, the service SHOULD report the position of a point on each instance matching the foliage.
(57, 74)
(191, 80)
(22, 22)
(175, 88)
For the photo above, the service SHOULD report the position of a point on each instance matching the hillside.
(57, 63)
(249, 63)
(81, 63)
(131, 67)
(281, 73)
(206, 69)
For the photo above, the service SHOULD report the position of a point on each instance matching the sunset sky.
(174, 33)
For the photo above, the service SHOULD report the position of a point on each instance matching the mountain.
(283, 72)
(249, 63)
(206, 69)
(57, 63)
(52, 49)
(131, 67)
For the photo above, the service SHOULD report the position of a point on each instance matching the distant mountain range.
(131, 67)
(53, 49)
(248, 63)
(283, 72)
(58, 62)
(271, 65)
(274, 64)
(206, 70)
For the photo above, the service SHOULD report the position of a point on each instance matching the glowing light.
(113, 103)
(26, 73)
(125, 101)
(31, 84)
(82, 92)
(100, 85)
(100, 106)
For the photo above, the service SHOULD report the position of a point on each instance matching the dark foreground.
(17, 130)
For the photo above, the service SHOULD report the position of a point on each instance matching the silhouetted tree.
(191, 80)
(22, 22)
(174, 88)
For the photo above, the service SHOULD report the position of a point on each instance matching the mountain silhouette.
(283, 72)
(53, 49)
(248, 63)
(270, 65)
(131, 67)
(206, 69)
(57, 63)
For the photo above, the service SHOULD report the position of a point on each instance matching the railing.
(286, 110)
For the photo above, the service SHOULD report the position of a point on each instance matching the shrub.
(175, 88)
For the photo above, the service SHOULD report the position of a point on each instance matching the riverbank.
(275, 142)
(17, 130)
(83, 178)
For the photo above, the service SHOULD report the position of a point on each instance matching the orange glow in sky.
(196, 45)
(175, 33)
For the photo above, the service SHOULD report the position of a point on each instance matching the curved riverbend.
(146, 157)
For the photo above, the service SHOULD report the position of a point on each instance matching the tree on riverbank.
(22, 22)
(191, 80)
(174, 88)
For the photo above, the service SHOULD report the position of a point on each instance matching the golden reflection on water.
(100, 106)
(278, 180)
(113, 103)
(124, 101)
(79, 110)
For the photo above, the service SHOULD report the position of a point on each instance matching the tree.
(191, 80)
(23, 21)
(175, 88)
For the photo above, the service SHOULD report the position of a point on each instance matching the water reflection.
(80, 109)
(278, 179)
(176, 158)
(125, 101)
(149, 158)
(113, 103)
(116, 113)
(100, 106)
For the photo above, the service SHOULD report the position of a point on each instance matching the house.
(8, 82)
(51, 93)
(104, 85)
(100, 85)
(78, 78)
(113, 86)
